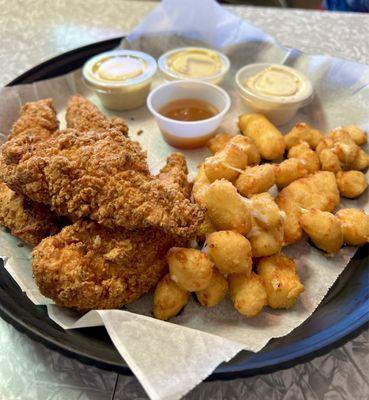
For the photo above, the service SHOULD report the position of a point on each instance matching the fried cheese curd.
(351, 184)
(308, 156)
(256, 179)
(323, 228)
(267, 232)
(355, 226)
(301, 133)
(268, 139)
(282, 284)
(318, 191)
(215, 292)
(248, 293)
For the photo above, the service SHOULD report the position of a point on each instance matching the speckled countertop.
(32, 31)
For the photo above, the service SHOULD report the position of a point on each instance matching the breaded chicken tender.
(268, 139)
(230, 252)
(323, 228)
(169, 299)
(248, 293)
(87, 266)
(37, 121)
(300, 133)
(267, 232)
(100, 175)
(257, 179)
(355, 226)
(84, 116)
(282, 284)
(351, 184)
(218, 142)
(288, 171)
(215, 292)
(315, 191)
(27, 220)
(309, 157)
(226, 208)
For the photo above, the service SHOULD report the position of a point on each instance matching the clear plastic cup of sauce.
(173, 103)
(194, 63)
(274, 90)
(121, 78)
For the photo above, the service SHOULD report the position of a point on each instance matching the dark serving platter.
(342, 315)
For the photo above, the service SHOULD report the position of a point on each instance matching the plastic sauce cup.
(192, 63)
(121, 78)
(278, 109)
(188, 134)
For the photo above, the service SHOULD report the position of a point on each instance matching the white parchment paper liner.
(169, 359)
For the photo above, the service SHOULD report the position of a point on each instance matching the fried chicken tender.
(355, 226)
(300, 133)
(86, 266)
(100, 175)
(282, 284)
(323, 228)
(315, 191)
(27, 220)
(84, 116)
(37, 121)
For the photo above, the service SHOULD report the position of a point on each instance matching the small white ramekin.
(121, 95)
(280, 111)
(188, 134)
(169, 75)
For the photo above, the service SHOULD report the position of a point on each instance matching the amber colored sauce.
(188, 110)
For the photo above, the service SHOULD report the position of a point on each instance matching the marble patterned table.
(33, 31)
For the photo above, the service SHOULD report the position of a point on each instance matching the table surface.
(33, 31)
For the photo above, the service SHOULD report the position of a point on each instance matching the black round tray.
(341, 316)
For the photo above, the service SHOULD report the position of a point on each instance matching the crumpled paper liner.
(170, 358)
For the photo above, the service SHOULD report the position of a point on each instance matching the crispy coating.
(248, 146)
(101, 175)
(268, 139)
(256, 179)
(304, 153)
(226, 208)
(190, 269)
(205, 228)
(343, 145)
(169, 299)
(351, 184)
(282, 284)
(86, 266)
(248, 293)
(288, 171)
(215, 292)
(361, 161)
(230, 251)
(27, 220)
(37, 121)
(355, 226)
(218, 142)
(323, 228)
(84, 116)
(315, 191)
(303, 132)
(201, 181)
(174, 174)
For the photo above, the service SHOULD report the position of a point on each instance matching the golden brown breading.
(86, 266)
(101, 175)
(315, 191)
(175, 173)
(27, 220)
(37, 121)
(84, 116)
